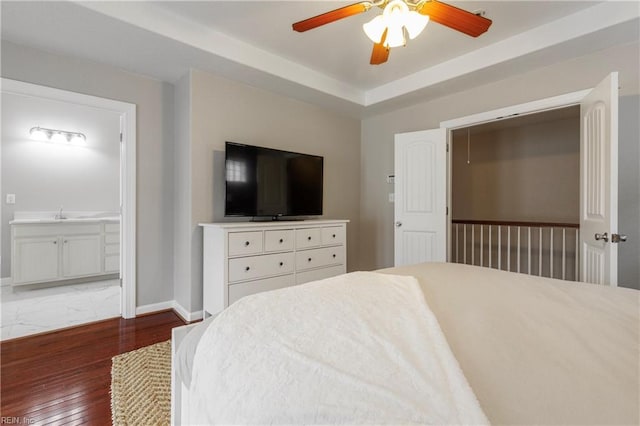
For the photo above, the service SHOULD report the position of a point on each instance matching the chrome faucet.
(60, 215)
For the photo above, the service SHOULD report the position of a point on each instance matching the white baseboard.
(170, 304)
(6, 281)
(186, 315)
(154, 307)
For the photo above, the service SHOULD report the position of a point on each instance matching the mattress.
(534, 350)
(539, 350)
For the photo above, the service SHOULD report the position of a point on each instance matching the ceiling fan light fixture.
(395, 37)
(375, 28)
(395, 13)
(396, 18)
(415, 22)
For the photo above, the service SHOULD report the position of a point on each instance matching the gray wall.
(182, 209)
(527, 173)
(629, 191)
(223, 110)
(376, 219)
(45, 176)
(154, 100)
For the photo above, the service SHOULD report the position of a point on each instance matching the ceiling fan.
(400, 18)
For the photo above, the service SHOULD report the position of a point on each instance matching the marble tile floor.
(30, 311)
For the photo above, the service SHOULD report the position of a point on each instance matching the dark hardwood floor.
(64, 377)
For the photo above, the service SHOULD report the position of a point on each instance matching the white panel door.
(599, 183)
(420, 197)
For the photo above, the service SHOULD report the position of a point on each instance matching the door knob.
(618, 238)
(604, 237)
(398, 224)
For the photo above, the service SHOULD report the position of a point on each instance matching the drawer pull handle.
(247, 269)
(281, 263)
(281, 241)
(246, 243)
(309, 238)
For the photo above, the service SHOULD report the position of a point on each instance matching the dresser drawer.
(238, 291)
(309, 259)
(252, 267)
(306, 238)
(243, 243)
(319, 274)
(280, 240)
(333, 235)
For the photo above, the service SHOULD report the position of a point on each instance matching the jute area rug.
(141, 386)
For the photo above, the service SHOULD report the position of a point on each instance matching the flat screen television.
(263, 182)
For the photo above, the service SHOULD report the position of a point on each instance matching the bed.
(363, 348)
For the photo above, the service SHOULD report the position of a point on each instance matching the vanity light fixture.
(53, 135)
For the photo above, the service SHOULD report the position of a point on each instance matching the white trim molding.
(532, 107)
(170, 304)
(128, 210)
(127, 112)
(154, 307)
(185, 314)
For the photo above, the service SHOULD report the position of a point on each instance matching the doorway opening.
(515, 193)
(70, 220)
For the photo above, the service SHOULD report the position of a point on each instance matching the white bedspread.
(358, 348)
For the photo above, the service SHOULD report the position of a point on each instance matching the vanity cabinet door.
(81, 255)
(35, 259)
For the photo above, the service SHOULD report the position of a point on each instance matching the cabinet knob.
(334, 235)
(309, 260)
(281, 263)
(281, 241)
(309, 238)
(247, 269)
(334, 256)
(246, 243)
(55, 242)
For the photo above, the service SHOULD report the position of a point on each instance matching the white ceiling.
(252, 41)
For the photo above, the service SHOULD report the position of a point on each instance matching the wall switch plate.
(391, 179)
(11, 198)
(392, 197)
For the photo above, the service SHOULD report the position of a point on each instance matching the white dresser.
(242, 258)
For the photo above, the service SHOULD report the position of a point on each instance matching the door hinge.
(447, 147)
(120, 136)
(447, 211)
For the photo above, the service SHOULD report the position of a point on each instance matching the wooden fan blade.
(455, 18)
(380, 54)
(334, 15)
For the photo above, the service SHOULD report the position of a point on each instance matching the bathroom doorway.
(68, 182)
